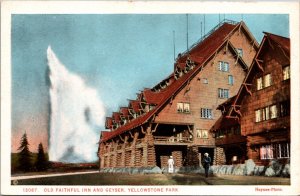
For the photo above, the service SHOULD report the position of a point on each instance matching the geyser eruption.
(76, 115)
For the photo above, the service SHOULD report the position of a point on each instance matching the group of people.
(206, 163)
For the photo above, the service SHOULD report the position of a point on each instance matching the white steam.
(76, 115)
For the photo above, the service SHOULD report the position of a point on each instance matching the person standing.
(171, 165)
(206, 161)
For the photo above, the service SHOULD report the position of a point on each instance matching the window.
(285, 108)
(223, 66)
(273, 111)
(263, 82)
(186, 107)
(202, 133)
(240, 52)
(230, 79)
(271, 151)
(183, 107)
(206, 113)
(223, 93)
(198, 133)
(259, 84)
(205, 81)
(267, 80)
(266, 113)
(286, 73)
(179, 107)
(266, 152)
(257, 115)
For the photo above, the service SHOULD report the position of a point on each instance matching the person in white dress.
(171, 165)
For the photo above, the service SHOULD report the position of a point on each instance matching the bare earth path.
(96, 178)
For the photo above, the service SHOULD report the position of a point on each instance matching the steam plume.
(76, 115)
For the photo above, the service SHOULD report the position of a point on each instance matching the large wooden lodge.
(185, 113)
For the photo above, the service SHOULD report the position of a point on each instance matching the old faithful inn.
(220, 98)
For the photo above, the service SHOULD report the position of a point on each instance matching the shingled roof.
(200, 53)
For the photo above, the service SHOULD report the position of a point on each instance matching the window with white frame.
(205, 81)
(263, 82)
(275, 151)
(257, 115)
(266, 113)
(266, 152)
(183, 107)
(273, 111)
(230, 79)
(186, 107)
(259, 83)
(267, 80)
(179, 107)
(206, 113)
(240, 52)
(223, 93)
(286, 73)
(204, 133)
(223, 66)
(198, 133)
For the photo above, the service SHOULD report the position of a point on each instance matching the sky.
(118, 55)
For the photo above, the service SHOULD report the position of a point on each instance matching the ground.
(97, 178)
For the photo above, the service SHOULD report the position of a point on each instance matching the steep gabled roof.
(200, 54)
(124, 111)
(116, 117)
(281, 42)
(135, 105)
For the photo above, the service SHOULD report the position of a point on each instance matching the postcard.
(149, 97)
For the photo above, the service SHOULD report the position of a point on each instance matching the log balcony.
(167, 140)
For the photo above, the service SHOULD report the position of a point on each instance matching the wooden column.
(219, 156)
(101, 155)
(123, 152)
(192, 156)
(114, 154)
(133, 149)
(177, 156)
(151, 159)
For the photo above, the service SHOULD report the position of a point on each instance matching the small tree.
(24, 156)
(41, 161)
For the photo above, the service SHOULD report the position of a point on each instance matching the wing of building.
(261, 108)
(175, 116)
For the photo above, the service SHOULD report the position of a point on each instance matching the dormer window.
(240, 52)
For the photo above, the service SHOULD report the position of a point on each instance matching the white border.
(158, 7)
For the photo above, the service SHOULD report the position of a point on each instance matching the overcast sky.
(118, 55)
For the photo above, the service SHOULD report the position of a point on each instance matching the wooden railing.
(170, 140)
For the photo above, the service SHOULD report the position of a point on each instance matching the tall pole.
(187, 31)
(201, 30)
(174, 43)
(204, 25)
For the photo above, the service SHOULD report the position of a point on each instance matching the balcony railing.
(171, 140)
